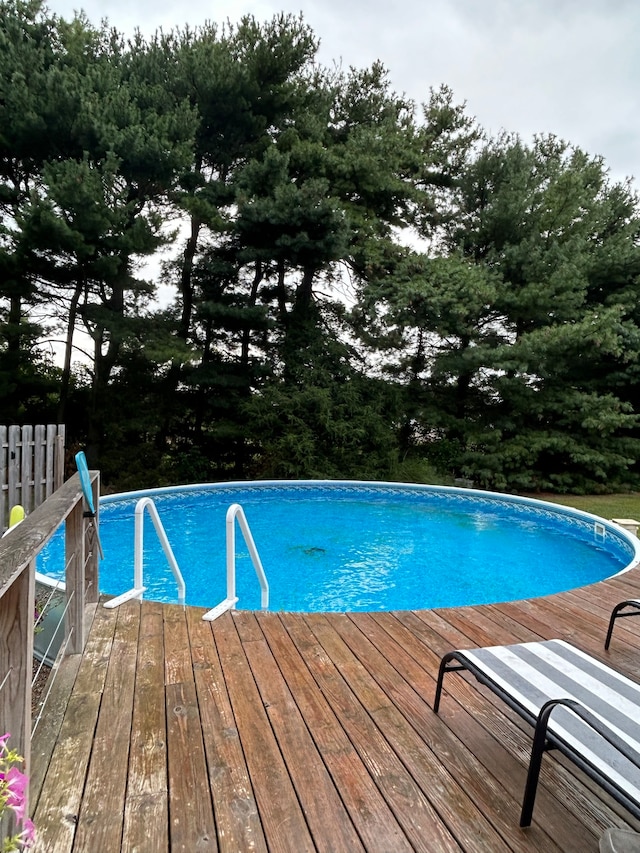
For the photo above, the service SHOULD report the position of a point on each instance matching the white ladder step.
(219, 609)
(136, 592)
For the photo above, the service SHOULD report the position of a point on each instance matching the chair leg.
(444, 667)
(535, 762)
(615, 613)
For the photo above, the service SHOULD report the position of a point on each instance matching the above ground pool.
(342, 545)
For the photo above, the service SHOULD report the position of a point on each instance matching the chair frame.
(546, 735)
(616, 613)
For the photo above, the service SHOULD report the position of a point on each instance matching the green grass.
(606, 506)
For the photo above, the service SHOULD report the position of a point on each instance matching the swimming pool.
(350, 545)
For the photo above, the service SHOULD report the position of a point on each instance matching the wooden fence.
(31, 466)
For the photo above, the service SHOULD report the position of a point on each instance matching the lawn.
(606, 506)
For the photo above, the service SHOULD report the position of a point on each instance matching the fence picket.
(14, 462)
(26, 464)
(39, 475)
(51, 434)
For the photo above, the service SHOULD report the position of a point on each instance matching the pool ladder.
(138, 586)
(234, 512)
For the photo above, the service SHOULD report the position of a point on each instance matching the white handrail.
(138, 588)
(234, 512)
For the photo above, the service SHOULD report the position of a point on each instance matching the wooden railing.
(31, 466)
(18, 552)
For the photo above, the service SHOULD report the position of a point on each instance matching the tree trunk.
(68, 350)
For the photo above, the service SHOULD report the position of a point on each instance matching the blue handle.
(85, 480)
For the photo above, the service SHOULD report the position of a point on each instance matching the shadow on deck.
(304, 732)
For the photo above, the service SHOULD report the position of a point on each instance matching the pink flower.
(28, 835)
(13, 795)
(17, 783)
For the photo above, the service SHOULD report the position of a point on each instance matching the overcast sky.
(569, 67)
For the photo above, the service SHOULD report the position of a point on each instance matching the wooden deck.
(292, 732)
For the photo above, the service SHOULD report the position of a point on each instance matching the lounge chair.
(576, 704)
(634, 610)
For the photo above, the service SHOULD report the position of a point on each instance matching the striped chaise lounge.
(576, 704)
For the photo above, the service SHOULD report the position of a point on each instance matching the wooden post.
(74, 578)
(16, 659)
(91, 575)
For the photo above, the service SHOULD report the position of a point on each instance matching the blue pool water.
(338, 546)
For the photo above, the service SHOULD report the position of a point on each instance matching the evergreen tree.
(98, 208)
(29, 135)
(519, 358)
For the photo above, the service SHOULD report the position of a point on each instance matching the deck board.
(280, 810)
(323, 809)
(57, 802)
(102, 812)
(353, 699)
(411, 687)
(191, 820)
(146, 806)
(294, 732)
(236, 812)
(358, 791)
